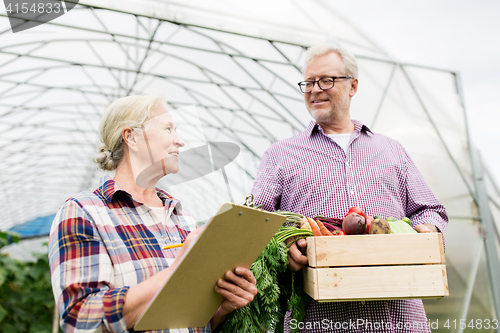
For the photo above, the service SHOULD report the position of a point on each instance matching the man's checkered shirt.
(310, 174)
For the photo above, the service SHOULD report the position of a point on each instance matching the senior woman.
(106, 246)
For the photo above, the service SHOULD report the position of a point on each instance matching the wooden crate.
(375, 267)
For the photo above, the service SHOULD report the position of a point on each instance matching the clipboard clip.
(250, 203)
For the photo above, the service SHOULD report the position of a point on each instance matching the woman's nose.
(178, 141)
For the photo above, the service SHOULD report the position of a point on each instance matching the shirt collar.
(358, 127)
(109, 188)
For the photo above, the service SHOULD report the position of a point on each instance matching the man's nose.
(316, 88)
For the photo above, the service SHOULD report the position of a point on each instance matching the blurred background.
(427, 79)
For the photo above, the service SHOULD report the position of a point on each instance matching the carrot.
(314, 227)
(323, 229)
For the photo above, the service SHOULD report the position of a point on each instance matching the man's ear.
(354, 87)
(130, 138)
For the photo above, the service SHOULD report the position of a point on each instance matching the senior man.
(338, 163)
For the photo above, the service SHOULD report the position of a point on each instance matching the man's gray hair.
(348, 59)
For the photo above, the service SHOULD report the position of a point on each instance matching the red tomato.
(356, 210)
(369, 220)
(338, 233)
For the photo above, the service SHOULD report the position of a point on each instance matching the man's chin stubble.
(328, 117)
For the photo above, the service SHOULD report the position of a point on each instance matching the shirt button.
(352, 192)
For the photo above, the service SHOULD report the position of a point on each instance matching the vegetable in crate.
(314, 227)
(396, 226)
(379, 226)
(401, 227)
(356, 210)
(332, 224)
(305, 225)
(323, 229)
(407, 220)
(369, 220)
(354, 224)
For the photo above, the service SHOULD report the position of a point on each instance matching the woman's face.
(159, 144)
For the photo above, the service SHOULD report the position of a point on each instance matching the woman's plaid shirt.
(101, 243)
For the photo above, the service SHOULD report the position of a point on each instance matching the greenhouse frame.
(230, 71)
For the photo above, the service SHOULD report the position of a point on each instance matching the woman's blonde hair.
(130, 111)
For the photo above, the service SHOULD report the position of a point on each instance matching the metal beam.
(384, 95)
(488, 224)
(470, 286)
(436, 129)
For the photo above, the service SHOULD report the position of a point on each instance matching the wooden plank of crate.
(359, 250)
(311, 282)
(445, 282)
(376, 282)
(441, 247)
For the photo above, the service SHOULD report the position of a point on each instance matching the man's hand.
(296, 260)
(426, 228)
(238, 289)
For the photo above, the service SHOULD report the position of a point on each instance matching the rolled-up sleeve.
(82, 275)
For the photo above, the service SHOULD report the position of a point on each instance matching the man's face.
(329, 106)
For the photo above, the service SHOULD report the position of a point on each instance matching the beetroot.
(354, 224)
(331, 220)
(332, 227)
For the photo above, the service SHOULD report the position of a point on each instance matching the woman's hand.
(238, 289)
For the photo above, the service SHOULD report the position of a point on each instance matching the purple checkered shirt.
(102, 243)
(311, 174)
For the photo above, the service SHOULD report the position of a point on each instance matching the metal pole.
(227, 184)
(472, 281)
(436, 129)
(386, 90)
(489, 239)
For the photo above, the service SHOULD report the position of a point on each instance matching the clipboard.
(235, 236)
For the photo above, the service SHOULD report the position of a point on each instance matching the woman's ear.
(130, 138)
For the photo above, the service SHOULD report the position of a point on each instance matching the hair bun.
(105, 158)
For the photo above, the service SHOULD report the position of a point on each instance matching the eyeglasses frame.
(319, 85)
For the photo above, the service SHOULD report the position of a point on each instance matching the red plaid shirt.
(310, 174)
(101, 243)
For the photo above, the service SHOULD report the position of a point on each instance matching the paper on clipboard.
(235, 236)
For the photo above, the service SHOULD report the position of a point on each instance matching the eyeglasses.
(323, 84)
